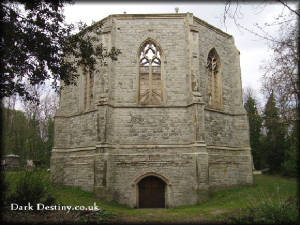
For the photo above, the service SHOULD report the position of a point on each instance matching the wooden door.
(151, 193)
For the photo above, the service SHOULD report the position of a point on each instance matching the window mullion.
(150, 81)
(213, 86)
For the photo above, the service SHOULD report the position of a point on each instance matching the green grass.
(220, 204)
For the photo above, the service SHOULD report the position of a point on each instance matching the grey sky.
(253, 49)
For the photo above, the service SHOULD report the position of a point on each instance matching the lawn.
(217, 208)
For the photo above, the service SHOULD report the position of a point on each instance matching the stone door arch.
(152, 192)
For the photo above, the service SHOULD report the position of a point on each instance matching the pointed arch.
(150, 40)
(139, 178)
(88, 87)
(150, 78)
(136, 191)
(214, 87)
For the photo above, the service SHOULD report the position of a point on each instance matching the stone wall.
(129, 35)
(150, 125)
(118, 172)
(111, 145)
(74, 167)
(75, 131)
(179, 170)
(229, 167)
(10, 162)
(226, 129)
(230, 66)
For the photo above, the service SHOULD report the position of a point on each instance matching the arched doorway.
(151, 192)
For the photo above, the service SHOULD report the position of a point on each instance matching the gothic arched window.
(150, 87)
(214, 92)
(88, 88)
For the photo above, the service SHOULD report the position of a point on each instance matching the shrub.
(96, 216)
(270, 211)
(34, 187)
(290, 166)
(4, 196)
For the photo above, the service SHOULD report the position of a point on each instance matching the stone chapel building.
(161, 126)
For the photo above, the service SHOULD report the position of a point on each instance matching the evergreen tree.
(15, 133)
(290, 166)
(50, 141)
(22, 136)
(255, 124)
(35, 143)
(36, 42)
(275, 143)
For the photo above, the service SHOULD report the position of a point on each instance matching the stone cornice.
(140, 106)
(156, 16)
(223, 112)
(211, 27)
(148, 146)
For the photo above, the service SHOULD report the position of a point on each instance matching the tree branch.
(285, 4)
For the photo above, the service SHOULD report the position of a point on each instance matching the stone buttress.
(170, 107)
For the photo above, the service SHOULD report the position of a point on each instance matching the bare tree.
(10, 103)
(281, 71)
(41, 110)
(233, 11)
(31, 108)
(249, 92)
(48, 107)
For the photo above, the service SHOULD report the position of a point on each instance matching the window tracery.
(213, 85)
(150, 92)
(91, 90)
(88, 88)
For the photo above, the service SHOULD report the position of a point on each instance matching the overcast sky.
(253, 49)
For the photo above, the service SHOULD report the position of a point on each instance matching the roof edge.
(171, 15)
(217, 30)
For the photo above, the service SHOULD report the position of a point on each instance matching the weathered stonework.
(10, 162)
(180, 119)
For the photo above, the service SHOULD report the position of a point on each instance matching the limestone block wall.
(74, 167)
(184, 174)
(79, 172)
(69, 98)
(219, 129)
(10, 162)
(229, 153)
(118, 172)
(230, 68)
(150, 126)
(56, 167)
(241, 130)
(75, 131)
(229, 167)
(226, 129)
(129, 34)
(110, 146)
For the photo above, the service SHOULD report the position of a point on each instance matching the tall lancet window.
(88, 86)
(214, 89)
(150, 92)
(91, 89)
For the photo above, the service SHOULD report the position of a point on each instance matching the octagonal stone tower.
(161, 126)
